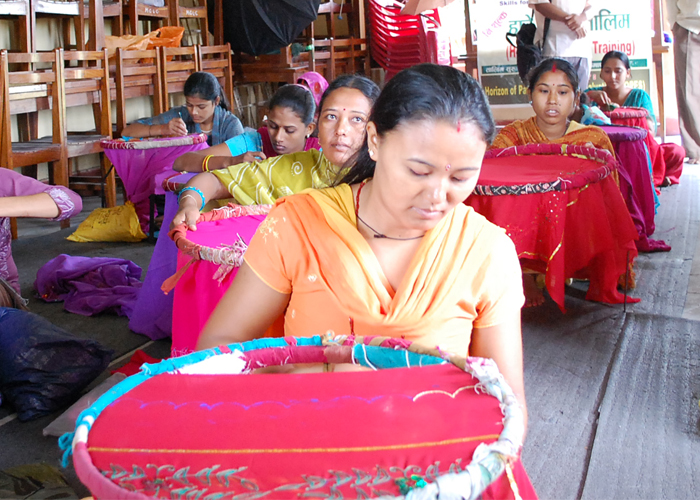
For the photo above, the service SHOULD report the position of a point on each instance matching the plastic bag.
(42, 367)
(66, 422)
(110, 224)
(168, 36)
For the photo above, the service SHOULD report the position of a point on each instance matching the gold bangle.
(205, 163)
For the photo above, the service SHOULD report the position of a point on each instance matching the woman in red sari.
(554, 94)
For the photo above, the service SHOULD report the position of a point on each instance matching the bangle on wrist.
(196, 190)
(205, 163)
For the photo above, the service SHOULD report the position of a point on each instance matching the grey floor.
(612, 393)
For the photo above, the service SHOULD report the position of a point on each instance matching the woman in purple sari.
(22, 196)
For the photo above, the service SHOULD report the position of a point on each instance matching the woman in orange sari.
(392, 250)
(553, 93)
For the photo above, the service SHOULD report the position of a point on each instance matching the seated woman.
(391, 250)
(554, 97)
(615, 71)
(553, 93)
(206, 111)
(22, 196)
(289, 125)
(345, 108)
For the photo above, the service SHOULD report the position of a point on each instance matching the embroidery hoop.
(489, 460)
(226, 257)
(606, 160)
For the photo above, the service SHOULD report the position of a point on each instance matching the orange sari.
(464, 274)
(524, 132)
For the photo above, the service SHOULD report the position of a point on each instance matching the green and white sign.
(623, 25)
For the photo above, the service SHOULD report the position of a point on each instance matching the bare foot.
(693, 161)
(533, 295)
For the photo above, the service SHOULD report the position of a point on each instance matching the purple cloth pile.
(90, 285)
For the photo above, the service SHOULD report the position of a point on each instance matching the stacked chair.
(400, 41)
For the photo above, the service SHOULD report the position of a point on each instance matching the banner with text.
(621, 25)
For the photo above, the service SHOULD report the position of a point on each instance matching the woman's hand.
(188, 211)
(600, 97)
(248, 157)
(177, 127)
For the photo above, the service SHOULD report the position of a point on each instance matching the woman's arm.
(175, 127)
(503, 343)
(191, 202)
(246, 311)
(221, 158)
(34, 205)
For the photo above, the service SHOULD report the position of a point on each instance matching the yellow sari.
(464, 274)
(262, 182)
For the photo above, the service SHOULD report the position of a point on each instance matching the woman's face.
(287, 132)
(614, 74)
(201, 110)
(553, 98)
(424, 169)
(342, 123)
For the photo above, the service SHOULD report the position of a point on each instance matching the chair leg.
(109, 188)
(13, 227)
(59, 169)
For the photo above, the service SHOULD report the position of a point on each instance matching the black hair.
(368, 88)
(547, 65)
(583, 99)
(616, 54)
(206, 86)
(297, 98)
(425, 92)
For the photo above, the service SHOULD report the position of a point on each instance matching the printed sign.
(620, 25)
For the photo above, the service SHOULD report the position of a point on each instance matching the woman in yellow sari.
(391, 250)
(554, 94)
(345, 108)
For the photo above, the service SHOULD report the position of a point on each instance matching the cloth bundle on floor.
(195, 425)
(42, 367)
(90, 285)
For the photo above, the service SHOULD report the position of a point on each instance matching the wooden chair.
(282, 67)
(67, 12)
(20, 11)
(155, 17)
(216, 59)
(336, 54)
(97, 12)
(86, 82)
(137, 73)
(176, 65)
(28, 91)
(197, 13)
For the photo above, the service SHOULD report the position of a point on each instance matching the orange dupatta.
(524, 132)
(433, 283)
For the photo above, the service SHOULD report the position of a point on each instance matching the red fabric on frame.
(310, 433)
(197, 292)
(584, 232)
(530, 169)
(633, 117)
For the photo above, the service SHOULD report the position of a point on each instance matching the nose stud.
(448, 167)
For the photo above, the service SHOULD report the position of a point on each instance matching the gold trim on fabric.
(247, 451)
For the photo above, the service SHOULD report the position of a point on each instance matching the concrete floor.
(612, 392)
